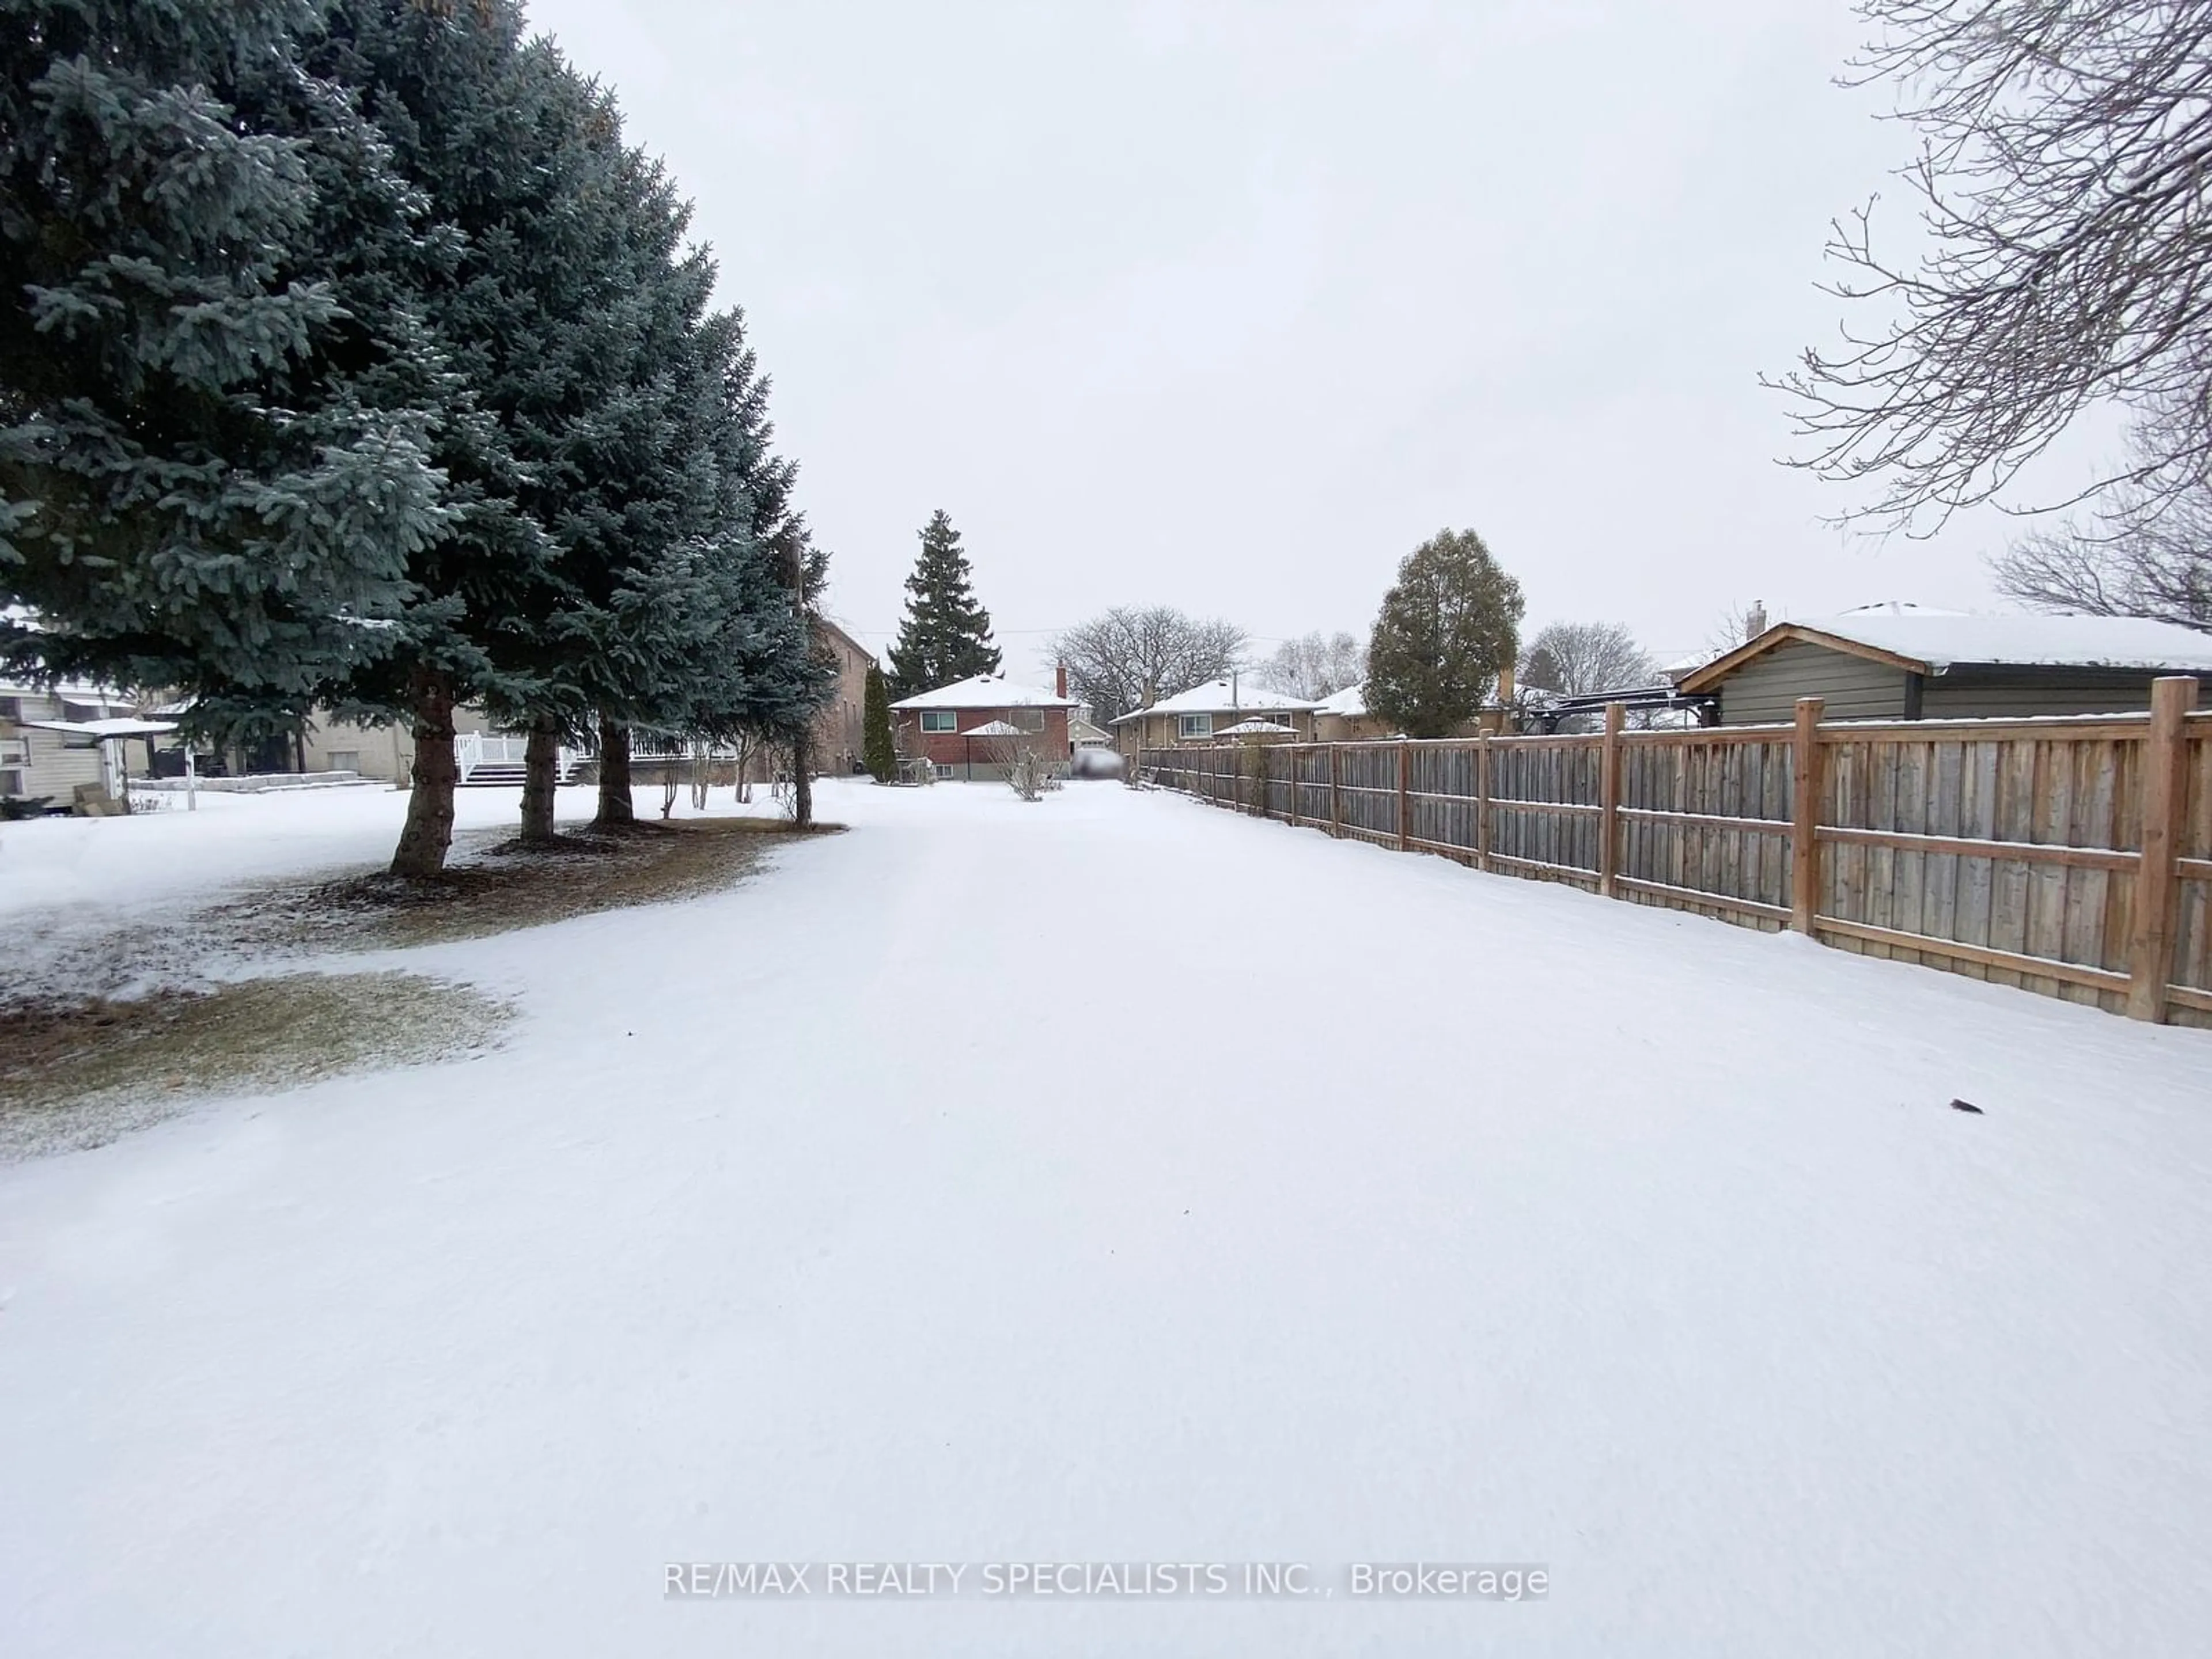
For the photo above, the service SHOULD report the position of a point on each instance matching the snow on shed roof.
(1351, 703)
(1253, 728)
(1935, 641)
(1218, 697)
(118, 726)
(985, 692)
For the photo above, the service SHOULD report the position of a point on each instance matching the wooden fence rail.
(2069, 857)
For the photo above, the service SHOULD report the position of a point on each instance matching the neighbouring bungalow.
(1902, 662)
(1208, 712)
(963, 730)
(1342, 717)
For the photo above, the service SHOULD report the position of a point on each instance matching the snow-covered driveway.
(1117, 1180)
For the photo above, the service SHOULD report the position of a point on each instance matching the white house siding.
(50, 768)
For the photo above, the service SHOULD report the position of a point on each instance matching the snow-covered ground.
(1115, 1179)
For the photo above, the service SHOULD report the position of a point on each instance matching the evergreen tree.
(528, 263)
(742, 659)
(217, 405)
(945, 635)
(881, 756)
(1446, 630)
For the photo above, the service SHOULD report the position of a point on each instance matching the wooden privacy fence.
(2071, 857)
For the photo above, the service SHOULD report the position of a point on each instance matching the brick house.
(840, 735)
(931, 725)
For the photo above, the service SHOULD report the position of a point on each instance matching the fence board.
(2007, 850)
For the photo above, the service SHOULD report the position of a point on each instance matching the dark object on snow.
(1966, 1106)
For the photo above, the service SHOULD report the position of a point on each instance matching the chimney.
(1754, 621)
(1059, 680)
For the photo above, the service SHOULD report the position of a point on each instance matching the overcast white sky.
(1228, 306)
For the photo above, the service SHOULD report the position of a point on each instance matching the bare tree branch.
(2064, 181)
(1113, 658)
(1580, 658)
(2127, 562)
(1316, 665)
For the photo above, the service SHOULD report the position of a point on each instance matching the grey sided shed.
(1900, 662)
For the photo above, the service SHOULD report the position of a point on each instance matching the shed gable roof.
(1935, 641)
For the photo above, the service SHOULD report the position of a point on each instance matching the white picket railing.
(475, 750)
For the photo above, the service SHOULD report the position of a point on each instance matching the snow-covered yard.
(1115, 1179)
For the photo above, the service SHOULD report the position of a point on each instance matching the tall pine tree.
(946, 635)
(451, 86)
(217, 403)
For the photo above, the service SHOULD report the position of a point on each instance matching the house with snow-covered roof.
(1342, 717)
(962, 729)
(1208, 712)
(1898, 662)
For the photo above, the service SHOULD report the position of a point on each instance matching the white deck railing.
(475, 750)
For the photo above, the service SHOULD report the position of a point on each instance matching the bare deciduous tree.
(1580, 658)
(1316, 665)
(2063, 181)
(1112, 659)
(747, 744)
(702, 772)
(2130, 563)
(1021, 762)
(1739, 624)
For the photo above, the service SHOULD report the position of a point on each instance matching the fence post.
(1292, 751)
(1482, 799)
(1405, 787)
(1335, 793)
(1805, 818)
(1608, 801)
(2165, 801)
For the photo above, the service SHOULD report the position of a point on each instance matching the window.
(345, 760)
(1194, 725)
(943, 770)
(939, 719)
(1029, 719)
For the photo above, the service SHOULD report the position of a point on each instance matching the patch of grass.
(510, 884)
(119, 1029)
(74, 1075)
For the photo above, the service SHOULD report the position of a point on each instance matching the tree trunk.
(430, 828)
(614, 807)
(802, 777)
(541, 776)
